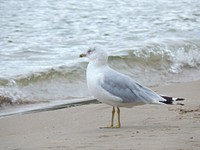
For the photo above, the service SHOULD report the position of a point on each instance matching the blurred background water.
(153, 41)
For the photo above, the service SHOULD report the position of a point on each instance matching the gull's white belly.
(94, 77)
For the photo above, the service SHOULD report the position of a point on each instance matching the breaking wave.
(151, 64)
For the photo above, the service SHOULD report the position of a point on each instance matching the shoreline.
(143, 127)
(47, 107)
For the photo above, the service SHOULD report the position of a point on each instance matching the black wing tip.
(171, 103)
(171, 100)
(167, 102)
(180, 99)
(180, 104)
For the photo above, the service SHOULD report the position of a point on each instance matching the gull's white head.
(96, 53)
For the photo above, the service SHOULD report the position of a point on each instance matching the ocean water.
(153, 41)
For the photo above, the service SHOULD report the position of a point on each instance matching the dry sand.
(143, 127)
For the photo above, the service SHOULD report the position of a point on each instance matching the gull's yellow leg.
(118, 112)
(112, 119)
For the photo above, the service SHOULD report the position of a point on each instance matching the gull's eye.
(90, 51)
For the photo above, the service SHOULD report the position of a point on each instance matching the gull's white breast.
(95, 76)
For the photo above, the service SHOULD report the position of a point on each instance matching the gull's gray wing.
(127, 89)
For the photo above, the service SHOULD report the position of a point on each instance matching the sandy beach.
(143, 127)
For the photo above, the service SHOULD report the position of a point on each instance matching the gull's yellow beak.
(82, 55)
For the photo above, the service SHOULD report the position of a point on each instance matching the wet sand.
(143, 127)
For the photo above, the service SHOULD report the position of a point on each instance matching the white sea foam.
(41, 41)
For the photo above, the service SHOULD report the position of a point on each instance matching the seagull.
(116, 89)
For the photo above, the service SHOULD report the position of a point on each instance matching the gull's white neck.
(94, 68)
(99, 62)
(94, 73)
